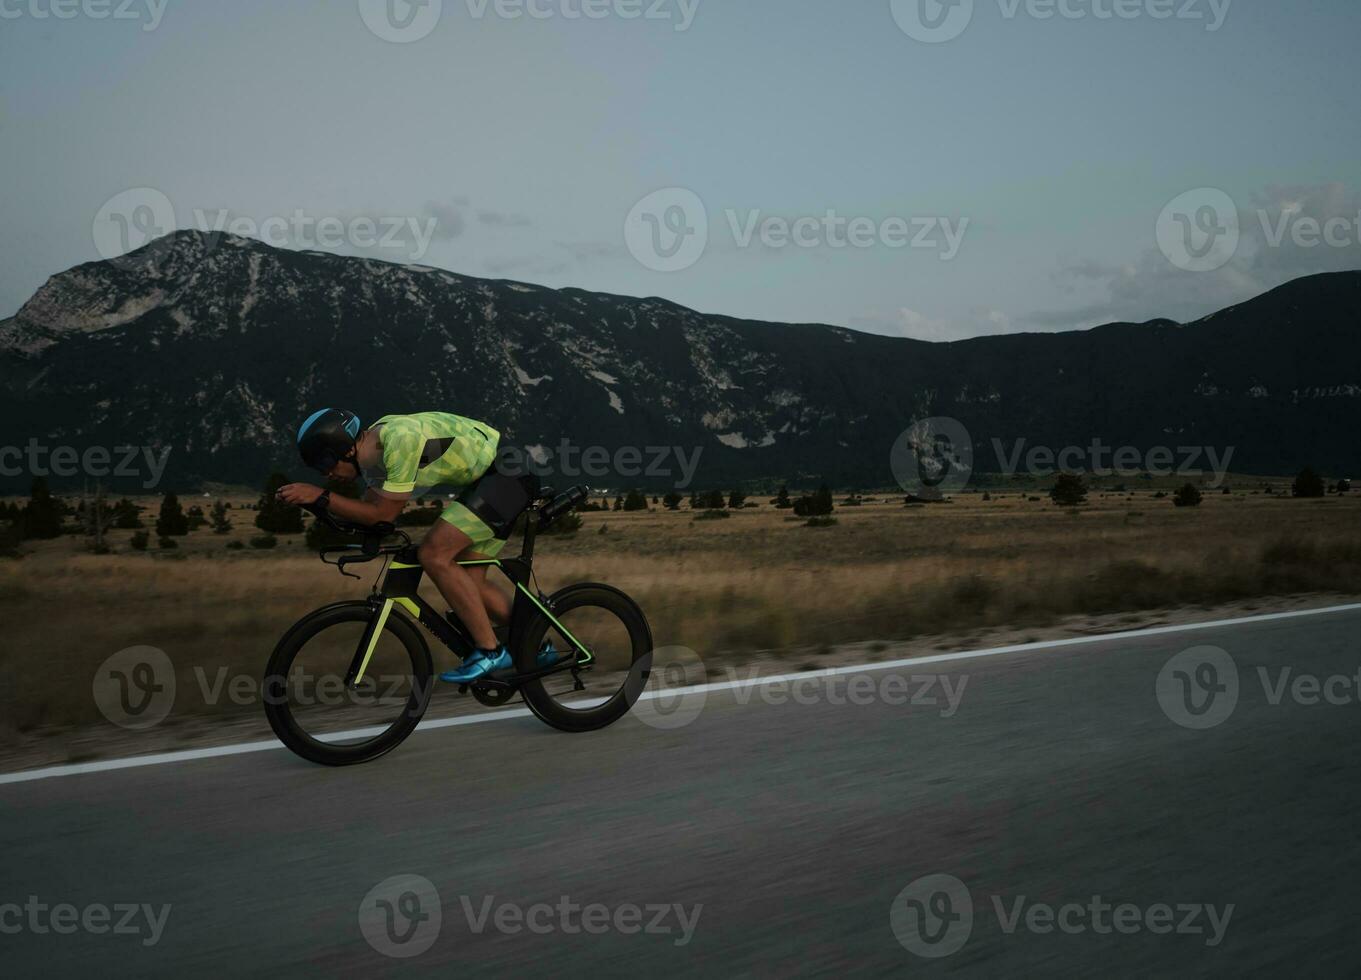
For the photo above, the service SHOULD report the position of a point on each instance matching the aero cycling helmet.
(327, 438)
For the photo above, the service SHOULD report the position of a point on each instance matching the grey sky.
(528, 141)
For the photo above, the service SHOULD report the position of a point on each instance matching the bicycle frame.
(401, 588)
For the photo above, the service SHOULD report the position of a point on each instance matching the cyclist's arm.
(375, 508)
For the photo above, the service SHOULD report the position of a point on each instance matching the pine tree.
(221, 523)
(42, 516)
(171, 522)
(782, 501)
(126, 515)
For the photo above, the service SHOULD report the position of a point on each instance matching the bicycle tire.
(547, 708)
(280, 715)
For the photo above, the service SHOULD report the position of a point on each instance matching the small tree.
(737, 500)
(42, 516)
(274, 516)
(140, 540)
(619, 502)
(1344, 486)
(196, 517)
(635, 501)
(221, 523)
(1188, 496)
(1308, 484)
(127, 516)
(672, 500)
(171, 522)
(818, 504)
(1069, 490)
(782, 501)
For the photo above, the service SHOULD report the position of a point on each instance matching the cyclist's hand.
(301, 494)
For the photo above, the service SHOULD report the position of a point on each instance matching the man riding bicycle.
(402, 455)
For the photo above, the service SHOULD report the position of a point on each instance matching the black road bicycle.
(348, 682)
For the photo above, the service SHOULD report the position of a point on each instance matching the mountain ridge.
(215, 346)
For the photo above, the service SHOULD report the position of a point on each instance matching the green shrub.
(264, 541)
(1187, 496)
(167, 544)
(823, 521)
(712, 515)
(235, 546)
(814, 505)
(1308, 484)
(140, 540)
(1069, 490)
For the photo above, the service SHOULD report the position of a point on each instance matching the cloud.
(1282, 238)
(498, 219)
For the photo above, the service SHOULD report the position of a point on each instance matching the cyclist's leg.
(456, 584)
(498, 605)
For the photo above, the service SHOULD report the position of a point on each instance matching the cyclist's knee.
(441, 546)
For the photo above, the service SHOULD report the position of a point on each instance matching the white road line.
(189, 755)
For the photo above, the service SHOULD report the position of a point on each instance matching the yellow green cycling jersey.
(432, 449)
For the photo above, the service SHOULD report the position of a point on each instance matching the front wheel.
(607, 637)
(324, 720)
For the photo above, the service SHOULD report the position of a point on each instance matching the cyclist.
(402, 454)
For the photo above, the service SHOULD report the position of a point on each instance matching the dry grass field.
(757, 581)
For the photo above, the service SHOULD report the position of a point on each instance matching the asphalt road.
(771, 837)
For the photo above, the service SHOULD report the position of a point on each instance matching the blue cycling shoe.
(549, 655)
(478, 666)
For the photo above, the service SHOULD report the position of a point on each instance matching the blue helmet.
(327, 438)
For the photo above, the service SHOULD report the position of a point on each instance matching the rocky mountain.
(215, 347)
